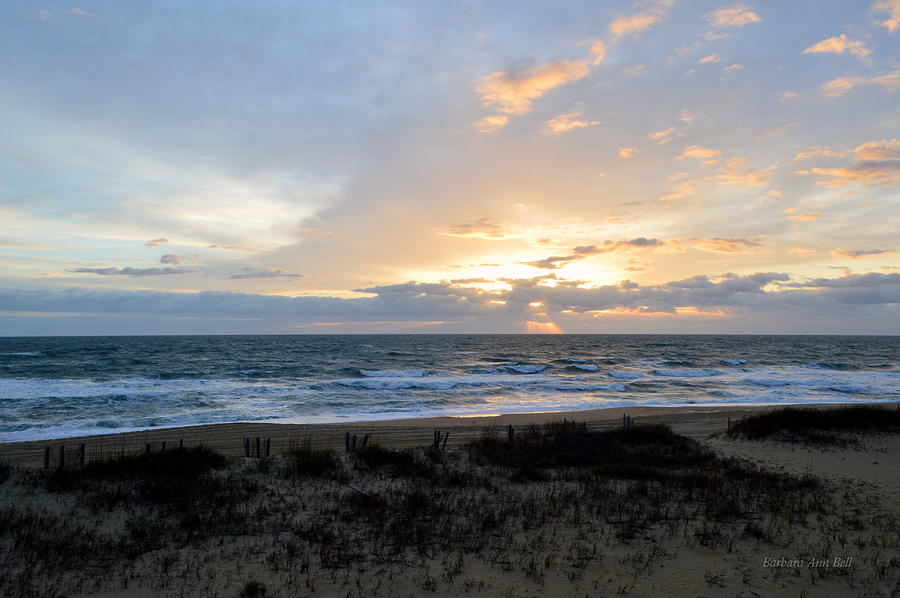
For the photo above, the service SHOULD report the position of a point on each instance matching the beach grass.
(836, 426)
(553, 508)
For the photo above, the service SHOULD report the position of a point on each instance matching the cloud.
(839, 45)
(788, 95)
(743, 178)
(733, 67)
(854, 254)
(155, 242)
(875, 163)
(663, 136)
(890, 81)
(840, 86)
(584, 251)
(683, 190)
(816, 151)
(802, 216)
(492, 123)
(734, 15)
(128, 271)
(512, 91)
(567, 122)
(483, 228)
(641, 21)
(696, 151)
(627, 152)
(879, 151)
(724, 245)
(892, 8)
(710, 58)
(763, 297)
(802, 251)
(255, 274)
(597, 50)
(46, 14)
(171, 258)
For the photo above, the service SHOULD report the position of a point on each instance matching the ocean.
(66, 386)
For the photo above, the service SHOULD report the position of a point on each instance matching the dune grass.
(158, 520)
(837, 426)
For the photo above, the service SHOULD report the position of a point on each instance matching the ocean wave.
(625, 375)
(734, 361)
(393, 373)
(687, 373)
(585, 367)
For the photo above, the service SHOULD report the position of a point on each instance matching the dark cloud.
(254, 273)
(129, 271)
(858, 253)
(155, 242)
(171, 258)
(744, 297)
(583, 251)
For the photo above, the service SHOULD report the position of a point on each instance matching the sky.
(660, 166)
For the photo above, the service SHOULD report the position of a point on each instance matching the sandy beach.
(228, 439)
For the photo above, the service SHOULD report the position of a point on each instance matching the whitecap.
(734, 361)
(393, 373)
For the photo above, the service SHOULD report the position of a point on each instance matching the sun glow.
(532, 327)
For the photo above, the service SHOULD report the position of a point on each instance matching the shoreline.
(698, 421)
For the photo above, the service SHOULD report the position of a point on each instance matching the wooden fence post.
(257, 447)
(62, 456)
(268, 447)
(446, 437)
(246, 447)
(346, 442)
(46, 457)
(81, 454)
(510, 432)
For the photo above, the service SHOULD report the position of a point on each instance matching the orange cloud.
(641, 21)
(567, 122)
(663, 136)
(878, 151)
(627, 152)
(722, 245)
(840, 44)
(710, 58)
(890, 81)
(597, 49)
(734, 15)
(492, 123)
(840, 86)
(696, 151)
(876, 163)
(892, 8)
(512, 91)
